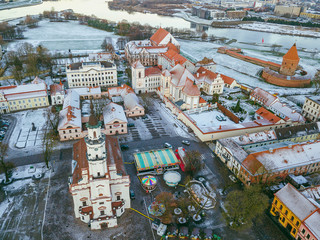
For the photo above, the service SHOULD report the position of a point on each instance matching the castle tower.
(96, 150)
(290, 61)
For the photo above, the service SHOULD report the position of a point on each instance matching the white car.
(233, 178)
(186, 142)
(167, 145)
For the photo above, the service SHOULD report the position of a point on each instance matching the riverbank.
(19, 4)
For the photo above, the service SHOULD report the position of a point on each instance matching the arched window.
(94, 134)
(139, 74)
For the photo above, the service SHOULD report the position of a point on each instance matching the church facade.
(99, 184)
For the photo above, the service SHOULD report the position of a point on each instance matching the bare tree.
(5, 166)
(193, 163)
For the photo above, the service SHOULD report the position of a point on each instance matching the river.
(100, 9)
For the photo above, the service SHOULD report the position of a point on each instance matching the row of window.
(29, 101)
(93, 74)
(25, 106)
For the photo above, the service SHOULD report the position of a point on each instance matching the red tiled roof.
(264, 113)
(174, 56)
(205, 72)
(152, 71)
(54, 88)
(190, 88)
(7, 87)
(201, 100)
(226, 79)
(159, 35)
(252, 164)
(79, 155)
(172, 47)
(292, 54)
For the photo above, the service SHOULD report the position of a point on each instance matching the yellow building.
(21, 97)
(291, 208)
(310, 15)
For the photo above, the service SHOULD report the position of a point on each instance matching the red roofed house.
(99, 184)
(265, 114)
(210, 82)
(147, 51)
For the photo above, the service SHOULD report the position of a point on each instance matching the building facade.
(22, 97)
(99, 184)
(91, 74)
(115, 121)
(57, 94)
(146, 51)
(294, 211)
(311, 108)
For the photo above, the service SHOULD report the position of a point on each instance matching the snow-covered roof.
(313, 224)
(37, 80)
(285, 157)
(131, 101)
(263, 96)
(113, 112)
(234, 149)
(72, 99)
(179, 75)
(255, 137)
(119, 91)
(314, 98)
(69, 116)
(85, 91)
(24, 91)
(312, 192)
(136, 47)
(295, 201)
(287, 111)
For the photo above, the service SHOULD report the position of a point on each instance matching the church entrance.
(104, 225)
(139, 92)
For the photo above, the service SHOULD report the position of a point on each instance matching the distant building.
(270, 156)
(99, 184)
(287, 11)
(103, 56)
(311, 108)
(299, 215)
(22, 97)
(92, 74)
(146, 51)
(236, 14)
(273, 103)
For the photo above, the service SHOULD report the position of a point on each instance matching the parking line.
(142, 214)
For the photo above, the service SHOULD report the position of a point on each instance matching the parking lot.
(4, 125)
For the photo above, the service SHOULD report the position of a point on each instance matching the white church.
(99, 184)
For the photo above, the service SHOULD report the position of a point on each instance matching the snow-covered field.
(62, 36)
(278, 28)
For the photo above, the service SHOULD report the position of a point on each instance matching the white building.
(311, 108)
(92, 74)
(145, 79)
(57, 94)
(115, 121)
(99, 184)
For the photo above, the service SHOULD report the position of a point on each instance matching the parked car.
(186, 142)
(233, 178)
(124, 147)
(130, 124)
(132, 195)
(167, 145)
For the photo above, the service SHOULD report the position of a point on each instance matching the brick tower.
(290, 61)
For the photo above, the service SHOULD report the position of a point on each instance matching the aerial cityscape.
(154, 120)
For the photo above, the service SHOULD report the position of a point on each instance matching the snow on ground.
(62, 36)
(277, 28)
(245, 72)
(22, 135)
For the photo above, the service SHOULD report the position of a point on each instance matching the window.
(297, 223)
(282, 220)
(118, 197)
(294, 231)
(286, 212)
(308, 236)
(84, 203)
(276, 202)
(98, 172)
(100, 203)
(292, 218)
(102, 212)
(281, 207)
(303, 231)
